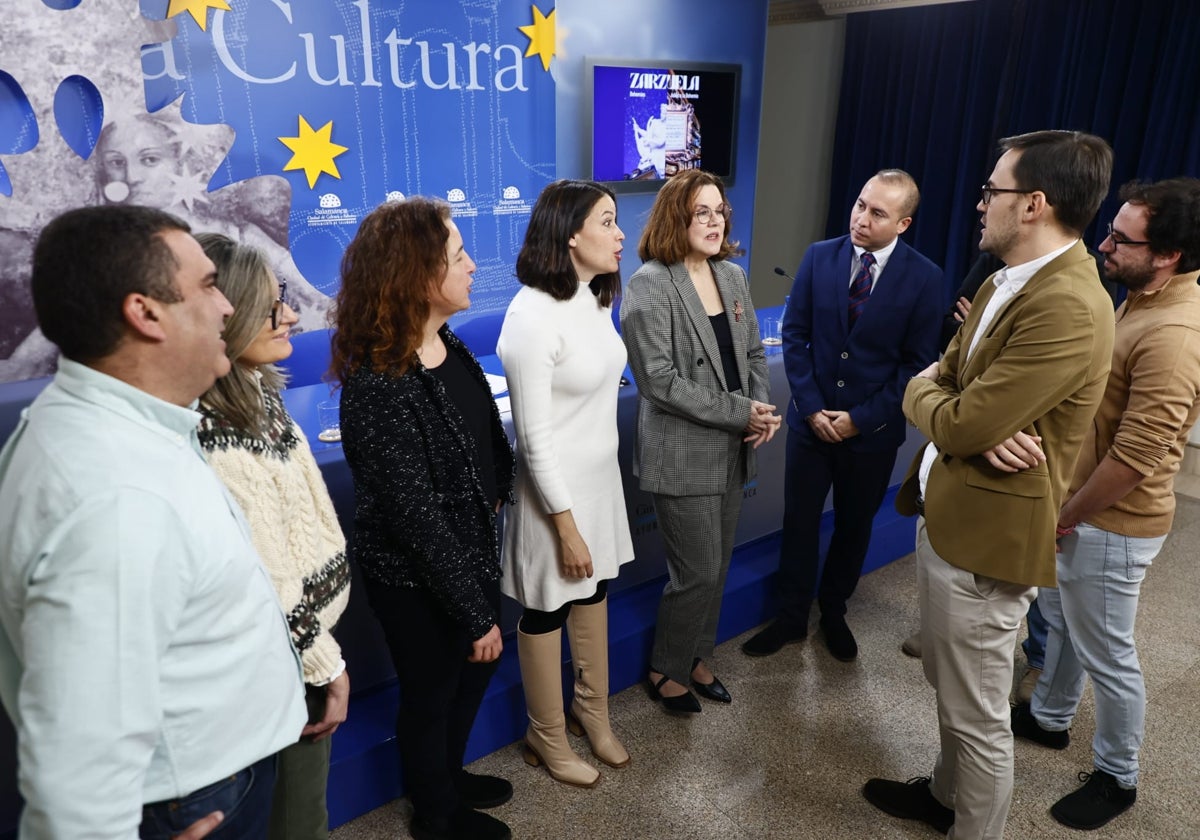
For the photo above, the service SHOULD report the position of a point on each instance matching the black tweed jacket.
(421, 517)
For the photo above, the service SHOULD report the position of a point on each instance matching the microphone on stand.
(776, 337)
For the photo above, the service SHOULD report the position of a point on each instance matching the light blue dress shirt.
(143, 652)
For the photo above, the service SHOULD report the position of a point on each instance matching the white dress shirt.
(881, 260)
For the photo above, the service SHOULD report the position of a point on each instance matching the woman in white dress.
(568, 534)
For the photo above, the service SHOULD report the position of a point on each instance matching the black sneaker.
(1093, 805)
(1025, 725)
(772, 637)
(482, 791)
(911, 800)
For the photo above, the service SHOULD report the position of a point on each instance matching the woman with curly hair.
(431, 466)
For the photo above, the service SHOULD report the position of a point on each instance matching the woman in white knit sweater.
(263, 458)
(568, 534)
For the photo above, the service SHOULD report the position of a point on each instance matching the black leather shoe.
(477, 791)
(1098, 801)
(713, 690)
(839, 639)
(684, 704)
(911, 800)
(772, 637)
(463, 824)
(1025, 725)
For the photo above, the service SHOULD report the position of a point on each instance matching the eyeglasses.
(1119, 239)
(277, 305)
(704, 215)
(988, 192)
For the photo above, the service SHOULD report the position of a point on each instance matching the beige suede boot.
(546, 738)
(587, 628)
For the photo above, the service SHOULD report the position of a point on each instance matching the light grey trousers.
(698, 532)
(969, 626)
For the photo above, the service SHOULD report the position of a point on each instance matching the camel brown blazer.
(1040, 368)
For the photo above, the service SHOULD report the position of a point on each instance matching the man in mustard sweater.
(1121, 502)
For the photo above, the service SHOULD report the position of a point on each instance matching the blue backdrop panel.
(430, 98)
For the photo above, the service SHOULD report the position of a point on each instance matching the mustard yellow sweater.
(1149, 405)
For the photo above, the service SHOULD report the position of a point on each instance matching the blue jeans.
(1035, 644)
(1091, 617)
(244, 798)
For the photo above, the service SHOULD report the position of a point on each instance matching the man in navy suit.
(864, 317)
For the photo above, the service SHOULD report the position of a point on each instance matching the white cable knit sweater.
(293, 524)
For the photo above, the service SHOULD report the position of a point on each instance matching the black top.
(422, 518)
(473, 403)
(720, 326)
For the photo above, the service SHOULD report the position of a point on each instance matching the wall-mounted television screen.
(652, 119)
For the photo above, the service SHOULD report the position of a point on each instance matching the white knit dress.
(563, 361)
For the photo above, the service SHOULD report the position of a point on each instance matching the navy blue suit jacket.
(864, 370)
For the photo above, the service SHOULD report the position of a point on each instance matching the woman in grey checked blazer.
(695, 352)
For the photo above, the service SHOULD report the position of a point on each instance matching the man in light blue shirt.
(144, 658)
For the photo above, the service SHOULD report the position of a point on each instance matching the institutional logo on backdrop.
(459, 206)
(394, 196)
(511, 204)
(330, 212)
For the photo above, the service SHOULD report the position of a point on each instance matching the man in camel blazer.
(1006, 411)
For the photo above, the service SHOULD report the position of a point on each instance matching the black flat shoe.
(773, 637)
(1025, 725)
(839, 639)
(478, 791)
(463, 824)
(684, 704)
(713, 690)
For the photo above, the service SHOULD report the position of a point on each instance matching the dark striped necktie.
(860, 287)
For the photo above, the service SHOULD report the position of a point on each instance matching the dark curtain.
(932, 89)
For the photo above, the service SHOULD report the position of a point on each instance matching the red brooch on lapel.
(737, 311)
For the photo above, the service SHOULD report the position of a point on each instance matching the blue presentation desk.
(365, 772)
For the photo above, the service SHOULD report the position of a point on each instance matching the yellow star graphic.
(541, 36)
(313, 151)
(198, 9)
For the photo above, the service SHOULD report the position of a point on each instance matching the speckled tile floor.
(788, 758)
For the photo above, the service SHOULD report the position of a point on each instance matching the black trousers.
(859, 481)
(440, 691)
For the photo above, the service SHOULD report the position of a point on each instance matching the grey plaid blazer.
(685, 415)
